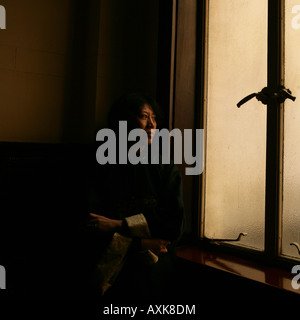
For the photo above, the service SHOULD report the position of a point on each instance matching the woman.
(136, 213)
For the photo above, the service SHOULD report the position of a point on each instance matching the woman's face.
(147, 121)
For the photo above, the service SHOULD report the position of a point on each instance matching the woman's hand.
(104, 224)
(157, 246)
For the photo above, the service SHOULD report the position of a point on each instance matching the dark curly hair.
(127, 108)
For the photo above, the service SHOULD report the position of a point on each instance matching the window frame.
(274, 144)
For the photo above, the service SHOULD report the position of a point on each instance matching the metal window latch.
(242, 234)
(283, 94)
(266, 94)
(296, 245)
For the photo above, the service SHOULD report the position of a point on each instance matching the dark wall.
(128, 49)
(42, 205)
(63, 62)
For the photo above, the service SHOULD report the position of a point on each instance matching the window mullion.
(273, 163)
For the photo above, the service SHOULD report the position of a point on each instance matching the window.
(251, 181)
(291, 135)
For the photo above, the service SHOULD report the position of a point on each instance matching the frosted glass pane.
(291, 160)
(236, 138)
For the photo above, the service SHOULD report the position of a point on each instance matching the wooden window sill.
(247, 269)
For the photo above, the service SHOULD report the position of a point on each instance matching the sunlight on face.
(147, 121)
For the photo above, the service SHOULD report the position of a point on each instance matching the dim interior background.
(62, 64)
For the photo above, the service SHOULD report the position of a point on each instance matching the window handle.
(246, 99)
(296, 245)
(242, 234)
(284, 94)
(266, 94)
